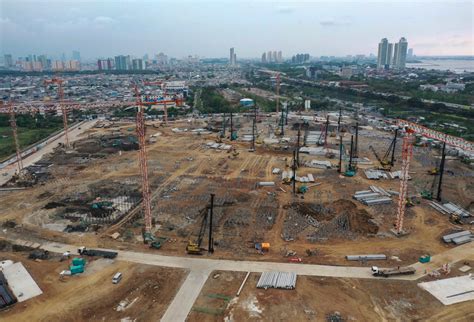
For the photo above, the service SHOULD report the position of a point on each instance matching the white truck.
(386, 272)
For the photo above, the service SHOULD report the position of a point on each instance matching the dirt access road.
(74, 134)
(200, 268)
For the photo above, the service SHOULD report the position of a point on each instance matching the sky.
(208, 28)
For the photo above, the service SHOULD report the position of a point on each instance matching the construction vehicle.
(387, 272)
(194, 248)
(95, 252)
(455, 219)
(158, 242)
(424, 258)
(387, 161)
(433, 171)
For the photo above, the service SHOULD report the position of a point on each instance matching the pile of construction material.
(281, 280)
(374, 196)
(459, 238)
(319, 164)
(366, 257)
(450, 208)
(218, 146)
(374, 174)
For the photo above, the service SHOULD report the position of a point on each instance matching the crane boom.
(433, 134)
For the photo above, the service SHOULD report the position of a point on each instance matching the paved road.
(201, 267)
(7, 172)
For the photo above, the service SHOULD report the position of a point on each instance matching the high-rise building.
(72, 65)
(275, 58)
(121, 62)
(8, 60)
(58, 65)
(401, 53)
(395, 54)
(137, 64)
(410, 53)
(76, 55)
(264, 58)
(383, 54)
(280, 57)
(105, 64)
(269, 57)
(232, 57)
(389, 55)
(44, 61)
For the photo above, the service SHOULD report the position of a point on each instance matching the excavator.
(387, 163)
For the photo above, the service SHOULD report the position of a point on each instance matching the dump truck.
(386, 272)
(96, 252)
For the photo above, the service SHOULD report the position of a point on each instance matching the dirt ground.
(183, 172)
(146, 291)
(317, 299)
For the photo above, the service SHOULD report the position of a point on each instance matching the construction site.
(327, 196)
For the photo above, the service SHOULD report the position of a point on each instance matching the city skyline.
(104, 30)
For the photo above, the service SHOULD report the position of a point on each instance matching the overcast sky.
(209, 28)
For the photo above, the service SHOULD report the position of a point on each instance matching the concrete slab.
(21, 283)
(451, 290)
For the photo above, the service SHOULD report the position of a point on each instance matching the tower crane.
(59, 81)
(11, 111)
(140, 122)
(407, 153)
(277, 92)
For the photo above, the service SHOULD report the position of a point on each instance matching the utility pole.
(340, 153)
(286, 109)
(211, 212)
(294, 173)
(441, 171)
(231, 128)
(298, 146)
(392, 160)
(223, 126)
(282, 123)
(352, 149)
(339, 120)
(326, 132)
(356, 152)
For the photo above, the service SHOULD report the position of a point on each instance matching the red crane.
(59, 82)
(277, 92)
(163, 86)
(11, 111)
(407, 154)
(147, 236)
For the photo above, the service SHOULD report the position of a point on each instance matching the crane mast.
(140, 123)
(407, 153)
(58, 81)
(15, 136)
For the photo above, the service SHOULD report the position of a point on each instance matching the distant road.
(320, 84)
